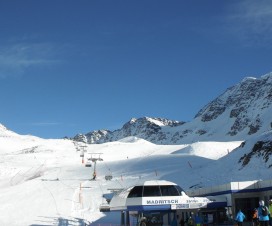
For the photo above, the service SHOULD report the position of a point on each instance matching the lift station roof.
(156, 195)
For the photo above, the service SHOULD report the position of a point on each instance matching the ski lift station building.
(243, 195)
(161, 202)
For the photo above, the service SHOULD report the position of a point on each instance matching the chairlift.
(108, 177)
(88, 163)
(94, 160)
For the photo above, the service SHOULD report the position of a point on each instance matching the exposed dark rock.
(260, 149)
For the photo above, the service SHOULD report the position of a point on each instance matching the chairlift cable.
(117, 181)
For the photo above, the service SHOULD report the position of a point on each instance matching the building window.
(151, 191)
(169, 190)
(135, 192)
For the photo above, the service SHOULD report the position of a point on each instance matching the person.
(142, 221)
(190, 221)
(270, 211)
(198, 220)
(240, 218)
(254, 219)
(263, 217)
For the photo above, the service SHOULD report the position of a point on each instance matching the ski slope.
(44, 182)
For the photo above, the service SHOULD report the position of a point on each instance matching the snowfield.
(44, 182)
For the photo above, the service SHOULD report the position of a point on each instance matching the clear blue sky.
(69, 67)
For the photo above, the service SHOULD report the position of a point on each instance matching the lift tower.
(94, 158)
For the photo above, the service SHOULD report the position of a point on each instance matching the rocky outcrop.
(246, 102)
(261, 149)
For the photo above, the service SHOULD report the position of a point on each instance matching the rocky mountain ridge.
(243, 110)
(146, 128)
(247, 100)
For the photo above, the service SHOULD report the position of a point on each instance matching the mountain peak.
(248, 79)
(147, 128)
(241, 111)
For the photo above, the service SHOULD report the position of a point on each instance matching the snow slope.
(43, 182)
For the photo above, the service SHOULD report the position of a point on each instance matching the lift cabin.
(156, 202)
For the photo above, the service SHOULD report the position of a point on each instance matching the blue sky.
(69, 67)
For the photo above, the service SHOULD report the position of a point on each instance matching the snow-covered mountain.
(146, 128)
(240, 112)
(45, 182)
(247, 106)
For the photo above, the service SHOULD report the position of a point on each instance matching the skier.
(240, 218)
(263, 214)
(255, 217)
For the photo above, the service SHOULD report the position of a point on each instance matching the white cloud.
(251, 21)
(16, 59)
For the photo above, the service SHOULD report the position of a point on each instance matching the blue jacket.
(240, 216)
(261, 217)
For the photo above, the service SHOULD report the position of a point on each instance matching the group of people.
(261, 216)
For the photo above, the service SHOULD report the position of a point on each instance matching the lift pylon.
(94, 158)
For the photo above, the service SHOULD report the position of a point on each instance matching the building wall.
(243, 195)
